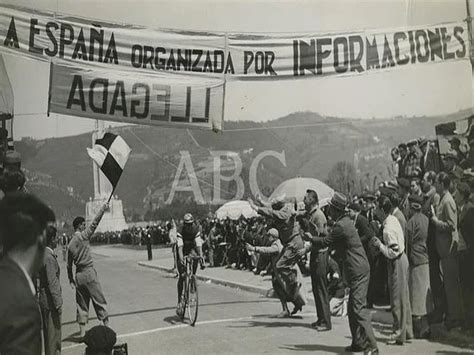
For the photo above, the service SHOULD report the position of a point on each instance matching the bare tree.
(342, 178)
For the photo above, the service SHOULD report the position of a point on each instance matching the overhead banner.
(141, 99)
(134, 49)
(6, 93)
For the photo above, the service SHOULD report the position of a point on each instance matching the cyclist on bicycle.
(189, 243)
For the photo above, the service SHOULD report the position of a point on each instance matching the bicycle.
(189, 297)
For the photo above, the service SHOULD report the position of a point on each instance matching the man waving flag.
(111, 154)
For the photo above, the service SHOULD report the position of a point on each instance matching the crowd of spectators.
(156, 233)
(432, 201)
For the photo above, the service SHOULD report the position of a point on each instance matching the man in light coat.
(445, 220)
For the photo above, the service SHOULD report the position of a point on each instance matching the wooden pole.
(469, 31)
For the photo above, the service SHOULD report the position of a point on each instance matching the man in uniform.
(318, 261)
(344, 237)
(86, 282)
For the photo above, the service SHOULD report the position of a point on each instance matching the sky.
(433, 89)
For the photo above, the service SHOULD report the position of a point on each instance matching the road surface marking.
(177, 326)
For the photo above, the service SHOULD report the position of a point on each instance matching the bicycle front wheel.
(193, 300)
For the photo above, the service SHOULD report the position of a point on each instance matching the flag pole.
(111, 194)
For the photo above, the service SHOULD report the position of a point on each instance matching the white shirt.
(394, 241)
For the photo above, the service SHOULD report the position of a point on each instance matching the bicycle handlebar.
(193, 257)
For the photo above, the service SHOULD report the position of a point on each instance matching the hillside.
(312, 145)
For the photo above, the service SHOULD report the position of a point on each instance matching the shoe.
(394, 342)
(180, 310)
(323, 328)
(315, 324)
(296, 310)
(294, 289)
(353, 349)
(374, 351)
(284, 314)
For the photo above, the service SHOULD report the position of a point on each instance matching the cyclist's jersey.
(189, 238)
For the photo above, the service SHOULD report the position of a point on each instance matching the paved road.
(142, 307)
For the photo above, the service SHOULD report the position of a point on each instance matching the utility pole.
(469, 31)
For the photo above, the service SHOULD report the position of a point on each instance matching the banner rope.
(170, 163)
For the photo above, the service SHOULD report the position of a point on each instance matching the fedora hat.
(338, 201)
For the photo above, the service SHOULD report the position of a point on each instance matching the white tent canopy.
(235, 209)
(296, 189)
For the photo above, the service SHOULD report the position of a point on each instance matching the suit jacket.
(466, 224)
(20, 318)
(345, 239)
(365, 230)
(430, 161)
(50, 286)
(317, 225)
(446, 235)
(405, 209)
(416, 236)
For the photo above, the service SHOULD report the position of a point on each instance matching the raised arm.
(89, 231)
(272, 249)
(282, 214)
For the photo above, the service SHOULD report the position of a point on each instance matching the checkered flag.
(111, 154)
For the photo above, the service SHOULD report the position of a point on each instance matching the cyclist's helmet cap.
(188, 218)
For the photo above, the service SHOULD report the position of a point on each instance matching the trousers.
(51, 331)
(452, 289)
(400, 298)
(88, 289)
(318, 264)
(359, 316)
(289, 256)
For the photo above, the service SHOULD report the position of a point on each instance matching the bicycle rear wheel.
(193, 300)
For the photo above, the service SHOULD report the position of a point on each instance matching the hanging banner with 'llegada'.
(130, 98)
(129, 48)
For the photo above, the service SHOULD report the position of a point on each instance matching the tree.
(342, 178)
